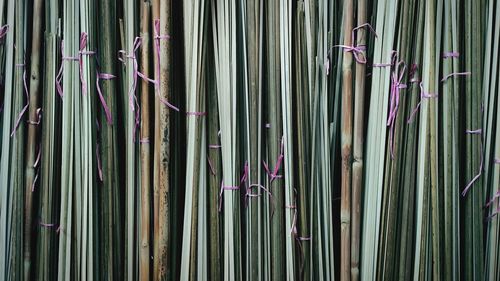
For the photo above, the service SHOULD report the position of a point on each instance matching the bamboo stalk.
(357, 166)
(164, 140)
(346, 146)
(32, 135)
(144, 255)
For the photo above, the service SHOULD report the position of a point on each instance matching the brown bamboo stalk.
(156, 160)
(346, 148)
(357, 166)
(32, 136)
(144, 266)
(163, 139)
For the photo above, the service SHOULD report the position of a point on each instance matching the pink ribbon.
(396, 85)
(214, 146)
(144, 140)
(157, 39)
(79, 59)
(455, 74)
(495, 196)
(232, 187)
(413, 72)
(20, 115)
(225, 187)
(38, 117)
(357, 51)
(394, 58)
(496, 160)
(195, 113)
(423, 95)
(475, 132)
(451, 54)
(34, 182)
(104, 76)
(135, 73)
(99, 168)
(46, 224)
(38, 157)
(274, 175)
(3, 31)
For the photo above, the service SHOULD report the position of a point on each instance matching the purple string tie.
(274, 174)
(452, 54)
(20, 115)
(133, 103)
(357, 51)
(453, 74)
(423, 95)
(157, 38)
(476, 177)
(3, 31)
(79, 59)
(396, 85)
(104, 76)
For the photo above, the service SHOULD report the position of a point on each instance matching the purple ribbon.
(455, 74)
(38, 117)
(274, 174)
(20, 115)
(451, 54)
(3, 31)
(122, 55)
(394, 58)
(157, 38)
(357, 51)
(476, 177)
(396, 85)
(104, 76)
(223, 187)
(423, 95)
(79, 59)
(99, 169)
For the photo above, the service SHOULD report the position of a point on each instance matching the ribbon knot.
(476, 177)
(122, 55)
(274, 174)
(396, 85)
(423, 95)
(79, 58)
(25, 108)
(357, 51)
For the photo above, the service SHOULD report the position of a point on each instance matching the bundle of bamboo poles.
(249, 140)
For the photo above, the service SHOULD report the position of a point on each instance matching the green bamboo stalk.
(253, 64)
(47, 246)
(18, 144)
(277, 228)
(129, 14)
(302, 125)
(32, 135)
(111, 220)
(193, 249)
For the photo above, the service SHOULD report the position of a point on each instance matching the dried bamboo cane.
(357, 166)
(346, 146)
(144, 255)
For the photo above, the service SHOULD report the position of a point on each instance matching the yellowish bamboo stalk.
(346, 147)
(144, 254)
